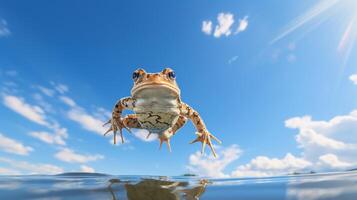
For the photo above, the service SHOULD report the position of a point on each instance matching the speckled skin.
(155, 100)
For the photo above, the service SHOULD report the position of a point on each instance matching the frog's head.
(163, 81)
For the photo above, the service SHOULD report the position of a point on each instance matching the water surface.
(341, 186)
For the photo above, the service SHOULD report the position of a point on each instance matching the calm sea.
(341, 186)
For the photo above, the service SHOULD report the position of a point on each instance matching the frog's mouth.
(155, 86)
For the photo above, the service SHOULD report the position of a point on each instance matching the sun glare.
(322, 11)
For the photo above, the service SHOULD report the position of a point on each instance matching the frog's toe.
(116, 124)
(165, 137)
(167, 141)
(205, 138)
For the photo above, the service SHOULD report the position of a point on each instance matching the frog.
(157, 107)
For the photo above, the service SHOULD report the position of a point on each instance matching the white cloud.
(207, 27)
(327, 145)
(332, 161)
(243, 24)
(225, 21)
(37, 115)
(12, 146)
(70, 102)
(4, 30)
(86, 120)
(309, 137)
(48, 137)
(85, 168)
(264, 166)
(224, 27)
(336, 136)
(208, 165)
(68, 155)
(89, 122)
(353, 78)
(31, 112)
(32, 168)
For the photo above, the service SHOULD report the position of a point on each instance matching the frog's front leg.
(202, 133)
(117, 121)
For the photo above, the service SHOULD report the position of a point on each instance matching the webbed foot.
(205, 138)
(115, 125)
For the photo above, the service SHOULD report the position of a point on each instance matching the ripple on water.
(341, 186)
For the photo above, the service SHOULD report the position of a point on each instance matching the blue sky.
(273, 80)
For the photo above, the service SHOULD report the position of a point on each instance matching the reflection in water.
(333, 186)
(152, 189)
(337, 186)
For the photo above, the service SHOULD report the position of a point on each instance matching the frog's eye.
(172, 75)
(136, 75)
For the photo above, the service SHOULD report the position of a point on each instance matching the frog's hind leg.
(168, 133)
(202, 133)
(180, 122)
(129, 121)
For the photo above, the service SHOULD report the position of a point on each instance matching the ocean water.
(341, 186)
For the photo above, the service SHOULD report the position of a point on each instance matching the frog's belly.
(158, 112)
(157, 122)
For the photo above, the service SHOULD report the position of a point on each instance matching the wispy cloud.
(37, 115)
(32, 168)
(83, 118)
(12, 146)
(70, 102)
(49, 138)
(47, 107)
(243, 24)
(4, 30)
(61, 88)
(353, 78)
(86, 120)
(68, 155)
(46, 91)
(232, 60)
(31, 112)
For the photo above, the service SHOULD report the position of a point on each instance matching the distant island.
(354, 169)
(302, 173)
(189, 174)
(81, 174)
